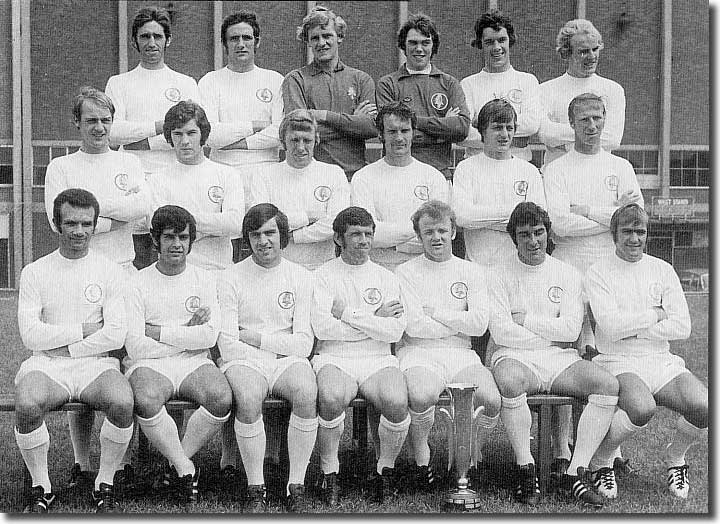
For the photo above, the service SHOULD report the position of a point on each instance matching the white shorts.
(656, 370)
(546, 364)
(358, 368)
(175, 368)
(270, 369)
(445, 363)
(71, 374)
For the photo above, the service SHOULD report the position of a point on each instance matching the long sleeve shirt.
(622, 296)
(594, 180)
(430, 96)
(110, 177)
(212, 193)
(519, 88)
(457, 291)
(141, 97)
(58, 295)
(232, 101)
(320, 190)
(485, 193)
(339, 92)
(363, 289)
(170, 302)
(551, 296)
(272, 301)
(391, 195)
(555, 97)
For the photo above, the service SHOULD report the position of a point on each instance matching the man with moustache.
(340, 98)
(495, 37)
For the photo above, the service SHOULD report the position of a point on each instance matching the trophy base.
(462, 499)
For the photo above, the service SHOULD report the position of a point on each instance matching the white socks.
(301, 441)
(113, 443)
(251, 443)
(517, 419)
(162, 432)
(685, 436)
(419, 431)
(201, 426)
(481, 426)
(392, 436)
(592, 428)
(620, 430)
(34, 448)
(328, 437)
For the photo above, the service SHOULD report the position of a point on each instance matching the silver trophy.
(460, 441)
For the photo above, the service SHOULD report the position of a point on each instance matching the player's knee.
(148, 401)
(331, 400)
(394, 403)
(640, 411)
(28, 409)
(510, 380)
(697, 412)
(603, 384)
(490, 400)
(303, 395)
(217, 399)
(120, 412)
(420, 396)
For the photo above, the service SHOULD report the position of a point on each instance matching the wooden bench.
(543, 405)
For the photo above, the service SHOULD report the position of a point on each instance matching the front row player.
(537, 312)
(71, 314)
(356, 314)
(639, 305)
(264, 343)
(173, 321)
(447, 303)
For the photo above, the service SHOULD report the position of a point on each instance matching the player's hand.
(660, 312)
(313, 216)
(393, 308)
(338, 308)
(580, 209)
(90, 328)
(628, 197)
(519, 317)
(62, 351)
(259, 125)
(152, 331)
(429, 311)
(200, 317)
(319, 114)
(453, 111)
(365, 108)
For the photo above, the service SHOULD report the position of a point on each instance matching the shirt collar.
(316, 70)
(434, 71)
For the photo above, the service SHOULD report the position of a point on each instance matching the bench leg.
(544, 445)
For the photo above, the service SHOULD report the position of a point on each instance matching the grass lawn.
(641, 492)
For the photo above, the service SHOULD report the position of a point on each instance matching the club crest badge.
(322, 193)
(264, 95)
(555, 293)
(172, 94)
(372, 296)
(216, 194)
(521, 187)
(286, 299)
(352, 93)
(515, 96)
(611, 182)
(439, 101)
(407, 100)
(192, 304)
(121, 181)
(422, 193)
(655, 291)
(93, 293)
(459, 290)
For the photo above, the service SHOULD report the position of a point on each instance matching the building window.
(6, 164)
(644, 159)
(689, 167)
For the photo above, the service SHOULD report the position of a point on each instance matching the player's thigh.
(513, 378)
(635, 398)
(387, 391)
(36, 394)
(487, 393)
(250, 389)
(687, 395)
(151, 391)
(336, 389)
(207, 386)
(110, 392)
(298, 385)
(585, 378)
(423, 387)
